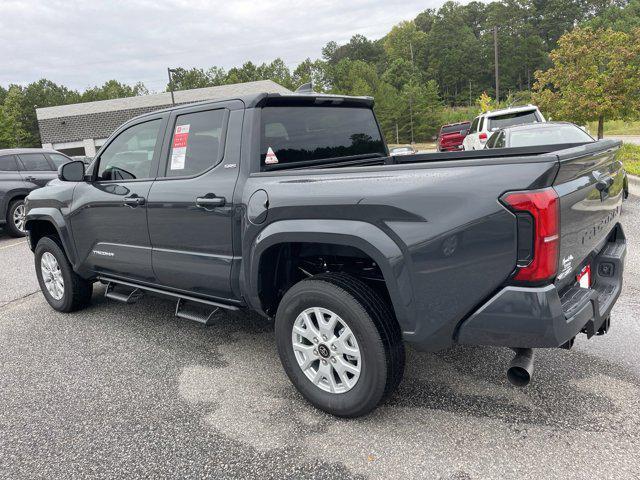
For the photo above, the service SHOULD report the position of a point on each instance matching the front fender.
(364, 236)
(55, 218)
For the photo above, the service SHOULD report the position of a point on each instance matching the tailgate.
(590, 186)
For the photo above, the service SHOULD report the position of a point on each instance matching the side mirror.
(72, 171)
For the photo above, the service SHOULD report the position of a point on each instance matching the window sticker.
(271, 158)
(179, 149)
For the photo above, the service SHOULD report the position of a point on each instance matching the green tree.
(594, 76)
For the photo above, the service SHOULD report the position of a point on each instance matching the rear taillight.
(544, 208)
(483, 137)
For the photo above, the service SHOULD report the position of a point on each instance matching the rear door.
(191, 203)
(109, 213)
(590, 186)
(36, 170)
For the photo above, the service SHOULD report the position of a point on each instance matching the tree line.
(427, 71)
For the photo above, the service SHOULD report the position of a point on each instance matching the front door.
(109, 213)
(190, 204)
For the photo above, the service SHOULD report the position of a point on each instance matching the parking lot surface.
(130, 391)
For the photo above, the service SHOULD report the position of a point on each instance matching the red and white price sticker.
(584, 277)
(179, 147)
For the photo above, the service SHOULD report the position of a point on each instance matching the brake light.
(483, 137)
(544, 208)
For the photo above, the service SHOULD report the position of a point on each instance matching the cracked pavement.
(130, 391)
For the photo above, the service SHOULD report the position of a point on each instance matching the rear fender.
(361, 235)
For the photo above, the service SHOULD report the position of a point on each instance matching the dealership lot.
(130, 391)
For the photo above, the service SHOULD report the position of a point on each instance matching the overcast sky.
(84, 43)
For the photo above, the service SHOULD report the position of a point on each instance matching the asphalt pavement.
(130, 391)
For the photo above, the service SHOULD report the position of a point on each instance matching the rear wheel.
(339, 344)
(63, 289)
(16, 219)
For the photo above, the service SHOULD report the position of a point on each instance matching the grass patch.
(616, 127)
(630, 157)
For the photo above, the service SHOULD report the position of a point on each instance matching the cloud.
(84, 43)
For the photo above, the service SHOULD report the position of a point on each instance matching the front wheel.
(339, 344)
(63, 289)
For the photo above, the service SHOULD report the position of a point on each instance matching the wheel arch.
(42, 222)
(10, 197)
(365, 237)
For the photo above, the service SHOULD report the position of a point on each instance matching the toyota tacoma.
(291, 206)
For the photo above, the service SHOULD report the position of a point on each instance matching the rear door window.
(35, 162)
(197, 143)
(481, 124)
(8, 164)
(304, 135)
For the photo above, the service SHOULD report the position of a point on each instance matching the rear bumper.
(544, 317)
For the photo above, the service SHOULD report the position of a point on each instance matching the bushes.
(630, 156)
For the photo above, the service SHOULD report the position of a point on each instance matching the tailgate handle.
(604, 183)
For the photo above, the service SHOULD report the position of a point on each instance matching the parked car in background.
(404, 150)
(488, 122)
(533, 134)
(21, 171)
(451, 136)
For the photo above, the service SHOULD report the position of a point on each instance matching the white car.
(483, 125)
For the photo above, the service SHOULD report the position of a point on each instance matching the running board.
(193, 315)
(166, 293)
(125, 297)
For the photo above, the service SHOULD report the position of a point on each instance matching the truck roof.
(261, 99)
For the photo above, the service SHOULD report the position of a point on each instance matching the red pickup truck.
(451, 136)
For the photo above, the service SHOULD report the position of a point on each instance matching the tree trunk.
(600, 127)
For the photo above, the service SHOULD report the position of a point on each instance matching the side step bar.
(194, 316)
(125, 297)
(137, 291)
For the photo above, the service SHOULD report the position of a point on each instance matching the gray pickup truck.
(290, 205)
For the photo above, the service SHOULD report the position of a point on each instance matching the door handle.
(30, 179)
(210, 201)
(134, 201)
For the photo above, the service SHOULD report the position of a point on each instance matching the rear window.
(454, 128)
(299, 136)
(510, 119)
(548, 135)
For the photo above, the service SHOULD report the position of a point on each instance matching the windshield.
(510, 119)
(304, 134)
(548, 135)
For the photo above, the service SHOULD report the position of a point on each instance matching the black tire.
(374, 326)
(11, 227)
(77, 291)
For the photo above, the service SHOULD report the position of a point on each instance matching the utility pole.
(397, 135)
(411, 93)
(469, 93)
(495, 61)
(169, 72)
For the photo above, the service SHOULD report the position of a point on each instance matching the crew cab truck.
(290, 205)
